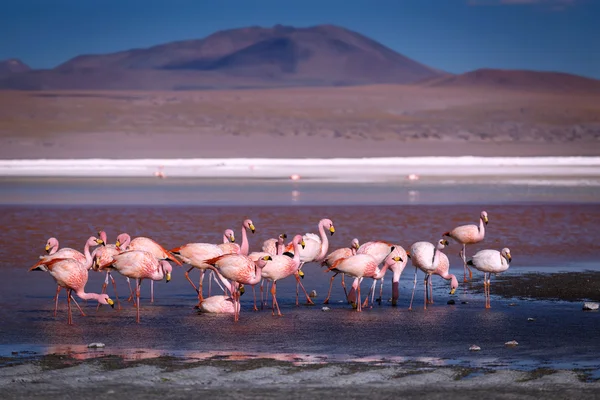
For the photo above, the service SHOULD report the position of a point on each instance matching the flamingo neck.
(280, 246)
(54, 249)
(225, 239)
(245, 245)
(436, 258)
(381, 272)
(88, 258)
(88, 296)
(324, 243)
(126, 242)
(481, 228)
(353, 250)
(296, 254)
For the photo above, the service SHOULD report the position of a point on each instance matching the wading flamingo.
(273, 247)
(149, 245)
(426, 257)
(103, 255)
(84, 258)
(139, 265)
(218, 305)
(73, 275)
(379, 250)
(363, 266)
(443, 270)
(230, 247)
(316, 246)
(469, 234)
(490, 262)
(335, 255)
(282, 266)
(239, 270)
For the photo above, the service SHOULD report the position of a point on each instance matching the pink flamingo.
(273, 247)
(149, 245)
(426, 257)
(469, 234)
(335, 255)
(377, 249)
(363, 265)
(238, 269)
(229, 247)
(103, 255)
(195, 255)
(282, 266)
(443, 271)
(490, 262)
(84, 258)
(73, 275)
(316, 246)
(139, 265)
(218, 305)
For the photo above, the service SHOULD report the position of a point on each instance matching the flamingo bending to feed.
(73, 275)
(379, 250)
(426, 257)
(195, 255)
(149, 245)
(101, 256)
(282, 266)
(84, 258)
(335, 255)
(316, 246)
(218, 305)
(139, 265)
(469, 234)
(443, 271)
(490, 262)
(229, 247)
(360, 266)
(238, 269)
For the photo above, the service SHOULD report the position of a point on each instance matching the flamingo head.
(102, 235)
(299, 240)
(167, 269)
(104, 299)
(301, 274)
(262, 261)
(241, 289)
(248, 224)
(282, 237)
(453, 284)
(94, 241)
(355, 244)
(328, 224)
(484, 217)
(122, 240)
(442, 243)
(229, 235)
(506, 254)
(50, 244)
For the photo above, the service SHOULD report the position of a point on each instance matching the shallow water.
(543, 236)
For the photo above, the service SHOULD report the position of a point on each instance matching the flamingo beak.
(485, 219)
(168, 276)
(47, 248)
(332, 230)
(232, 239)
(100, 241)
(301, 274)
(452, 291)
(252, 228)
(408, 254)
(267, 258)
(509, 257)
(242, 289)
(110, 302)
(446, 243)
(284, 236)
(302, 243)
(398, 259)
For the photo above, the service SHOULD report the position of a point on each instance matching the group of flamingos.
(232, 266)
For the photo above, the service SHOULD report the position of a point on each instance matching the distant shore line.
(343, 169)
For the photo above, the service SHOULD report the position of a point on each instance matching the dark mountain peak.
(13, 65)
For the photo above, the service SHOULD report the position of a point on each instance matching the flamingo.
(443, 271)
(229, 247)
(469, 234)
(149, 245)
(490, 262)
(238, 269)
(195, 255)
(282, 266)
(426, 257)
(139, 265)
(379, 250)
(360, 266)
(274, 246)
(84, 258)
(316, 246)
(335, 255)
(101, 256)
(218, 305)
(73, 275)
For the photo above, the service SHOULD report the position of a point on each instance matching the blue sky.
(453, 35)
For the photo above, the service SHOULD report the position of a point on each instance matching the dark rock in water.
(451, 302)
(464, 302)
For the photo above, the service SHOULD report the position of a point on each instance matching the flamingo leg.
(254, 295)
(308, 300)
(151, 291)
(187, 276)
(489, 283)
(58, 289)
(275, 304)
(115, 288)
(210, 279)
(380, 299)
(131, 294)
(104, 285)
(69, 317)
(413, 292)
(344, 286)
(464, 258)
(137, 298)
(425, 294)
(430, 291)
(330, 286)
(395, 292)
(358, 303)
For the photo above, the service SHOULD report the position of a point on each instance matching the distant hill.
(518, 80)
(13, 65)
(323, 55)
